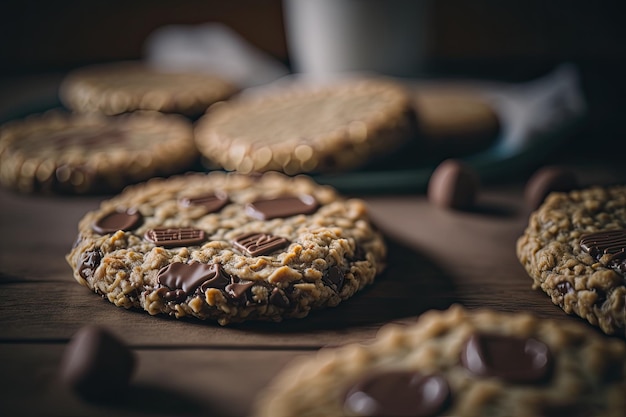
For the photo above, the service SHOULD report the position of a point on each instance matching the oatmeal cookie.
(228, 247)
(304, 128)
(574, 249)
(457, 362)
(120, 87)
(91, 153)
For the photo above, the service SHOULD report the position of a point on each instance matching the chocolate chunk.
(182, 279)
(546, 180)
(282, 207)
(96, 364)
(453, 185)
(510, 358)
(567, 410)
(238, 288)
(171, 237)
(334, 278)
(609, 242)
(255, 244)
(117, 220)
(278, 298)
(398, 393)
(564, 288)
(89, 262)
(211, 202)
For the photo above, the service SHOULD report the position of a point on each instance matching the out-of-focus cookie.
(459, 363)
(92, 153)
(120, 87)
(228, 247)
(304, 128)
(453, 120)
(574, 249)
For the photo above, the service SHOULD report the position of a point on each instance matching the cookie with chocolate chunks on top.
(574, 249)
(458, 363)
(228, 247)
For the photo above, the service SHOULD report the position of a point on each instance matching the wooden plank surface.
(436, 258)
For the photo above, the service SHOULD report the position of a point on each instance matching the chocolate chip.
(211, 202)
(566, 410)
(255, 244)
(238, 289)
(282, 207)
(89, 262)
(564, 288)
(96, 364)
(172, 237)
(608, 242)
(278, 298)
(334, 278)
(117, 220)
(453, 185)
(522, 360)
(398, 393)
(546, 180)
(182, 280)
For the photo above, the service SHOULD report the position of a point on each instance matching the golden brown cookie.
(305, 128)
(574, 249)
(92, 153)
(121, 87)
(454, 120)
(228, 247)
(458, 363)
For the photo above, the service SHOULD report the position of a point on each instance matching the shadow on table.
(410, 285)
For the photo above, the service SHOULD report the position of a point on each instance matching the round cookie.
(92, 153)
(574, 250)
(121, 87)
(458, 363)
(306, 128)
(228, 247)
(454, 120)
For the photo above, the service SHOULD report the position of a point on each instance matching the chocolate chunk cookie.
(303, 128)
(91, 153)
(459, 363)
(120, 87)
(574, 249)
(228, 247)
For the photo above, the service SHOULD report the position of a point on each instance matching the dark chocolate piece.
(183, 280)
(520, 360)
(172, 237)
(564, 288)
(211, 202)
(334, 278)
(89, 262)
(453, 185)
(278, 298)
(237, 289)
(398, 393)
(117, 220)
(96, 364)
(285, 206)
(609, 242)
(255, 244)
(546, 180)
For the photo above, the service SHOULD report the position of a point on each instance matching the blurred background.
(487, 39)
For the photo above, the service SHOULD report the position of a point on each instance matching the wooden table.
(436, 258)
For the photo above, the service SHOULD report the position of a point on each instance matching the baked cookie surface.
(305, 128)
(574, 249)
(458, 363)
(79, 153)
(121, 87)
(228, 247)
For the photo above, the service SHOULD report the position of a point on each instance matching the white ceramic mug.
(326, 37)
